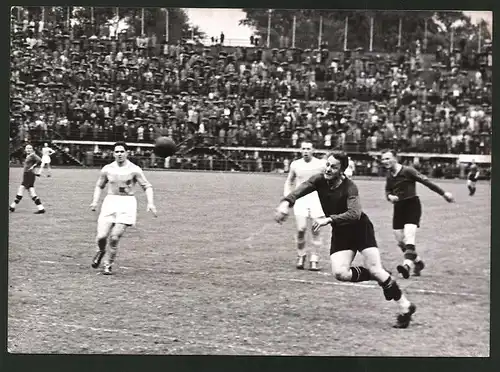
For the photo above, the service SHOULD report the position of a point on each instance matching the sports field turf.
(214, 274)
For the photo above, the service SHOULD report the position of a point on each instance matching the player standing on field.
(472, 178)
(46, 154)
(349, 171)
(400, 189)
(352, 231)
(119, 207)
(308, 207)
(31, 162)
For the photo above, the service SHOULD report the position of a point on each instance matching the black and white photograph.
(256, 182)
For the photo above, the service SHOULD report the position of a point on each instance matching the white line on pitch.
(156, 336)
(348, 284)
(410, 290)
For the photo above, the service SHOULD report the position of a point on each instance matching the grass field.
(214, 274)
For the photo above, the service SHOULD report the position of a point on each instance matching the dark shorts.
(28, 179)
(353, 237)
(406, 211)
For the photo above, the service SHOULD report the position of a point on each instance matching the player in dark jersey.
(472, 178)
(31, 162)
(400, 189)
(352, 231)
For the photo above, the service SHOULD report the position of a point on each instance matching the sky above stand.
(213, 21)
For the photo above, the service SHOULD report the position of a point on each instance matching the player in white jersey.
(308, 208)
(349, 171)
(119, 207)
(46, 154)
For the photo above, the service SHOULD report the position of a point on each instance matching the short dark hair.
(342, 157)
(393, 152)
(120, 143)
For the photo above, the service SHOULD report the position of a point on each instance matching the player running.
(119, 207)
(308, 207)
(352, 232)
(400, 189)
(46, 154)
(472, 177)
(31, 162)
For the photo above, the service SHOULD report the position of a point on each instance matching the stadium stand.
(84, 88)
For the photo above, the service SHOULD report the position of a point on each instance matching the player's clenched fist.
(448, 197)
(281, 212)
(320, 222)
(93, 206)
(392, 198)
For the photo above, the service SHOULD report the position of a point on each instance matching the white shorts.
(119, 209)
(45, 159)
(471, 183)
(308, 206)
(348, 172)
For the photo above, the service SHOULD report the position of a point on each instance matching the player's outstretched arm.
(100, 185)
(304, 188)
(289, 200)
(420, 178)
(148, 189)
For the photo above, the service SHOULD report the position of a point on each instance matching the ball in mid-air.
(164, 147)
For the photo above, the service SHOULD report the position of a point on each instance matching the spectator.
(79, 86)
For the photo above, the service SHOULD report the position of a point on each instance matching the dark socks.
(360, 274)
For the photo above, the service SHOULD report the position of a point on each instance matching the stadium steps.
(69, 156)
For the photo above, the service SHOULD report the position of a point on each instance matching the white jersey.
(350, 169)
(304, 170)
(120, 205)
(309, 205)
(46, 152)
(122, 179)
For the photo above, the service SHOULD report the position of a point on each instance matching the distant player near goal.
(31, 162)
(472, 178)
(307, 208)
(46, 154)
(401, 191)
(119, 207)
(349, 171)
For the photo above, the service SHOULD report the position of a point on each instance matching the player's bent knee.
(114, 238)
(342, 274)
(113, 241)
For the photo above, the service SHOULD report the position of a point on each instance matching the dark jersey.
(342, 203)
(403, 184)
(31, 159)
(473, 176)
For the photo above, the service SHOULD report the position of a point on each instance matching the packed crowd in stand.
(121, 88)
